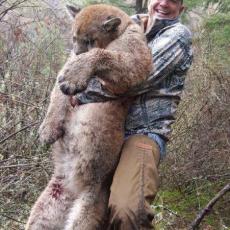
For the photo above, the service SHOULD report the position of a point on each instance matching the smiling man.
(149, 121)
(166, 9)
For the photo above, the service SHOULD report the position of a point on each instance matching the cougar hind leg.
(52, 207)
(89, 211)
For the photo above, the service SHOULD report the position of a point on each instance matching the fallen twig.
(11, 218)
(171, 211)
(195, 224)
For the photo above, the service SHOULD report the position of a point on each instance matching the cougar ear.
(73, 10)
(111, 24)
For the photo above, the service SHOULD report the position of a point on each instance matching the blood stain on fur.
(56, 191)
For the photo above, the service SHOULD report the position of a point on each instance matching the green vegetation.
(192, 3)
(174, 207)
(223, 5)
(217, 30)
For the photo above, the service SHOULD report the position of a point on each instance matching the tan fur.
(86, 155)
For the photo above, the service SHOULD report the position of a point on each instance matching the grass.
(173, 207)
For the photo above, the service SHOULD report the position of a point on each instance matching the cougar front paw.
(69, 88)
(50, 132)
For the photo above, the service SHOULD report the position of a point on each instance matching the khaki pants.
(134, 185)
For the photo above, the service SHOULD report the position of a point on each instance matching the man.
(136, 181)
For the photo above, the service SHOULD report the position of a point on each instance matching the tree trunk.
(138, 7)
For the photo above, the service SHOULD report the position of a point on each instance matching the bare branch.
(20, 130)
(209, 207)
(12, 7)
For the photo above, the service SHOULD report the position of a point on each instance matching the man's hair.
(179, 0)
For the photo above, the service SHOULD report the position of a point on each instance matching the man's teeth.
(162, 12)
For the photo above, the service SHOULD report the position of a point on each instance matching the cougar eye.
(89, 42)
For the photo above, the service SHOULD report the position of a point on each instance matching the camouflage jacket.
(155, 105)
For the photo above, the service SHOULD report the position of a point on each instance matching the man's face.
(165, 9)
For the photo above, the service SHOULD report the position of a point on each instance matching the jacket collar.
(159, 25)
